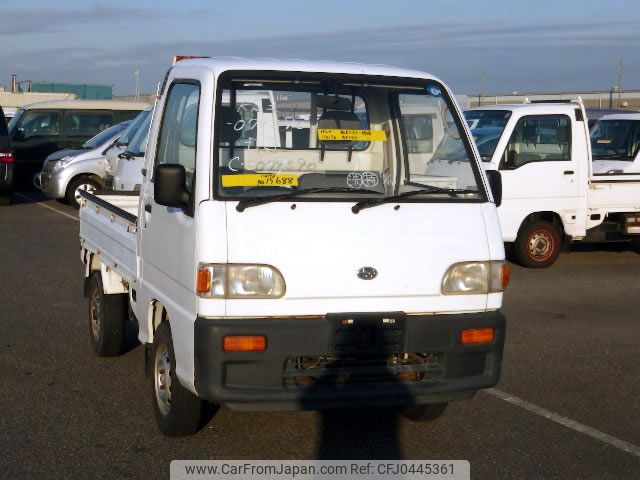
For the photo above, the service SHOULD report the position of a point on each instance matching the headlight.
(239, 281)
(472, 278)
(63, 162)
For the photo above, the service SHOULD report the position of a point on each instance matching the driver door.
(168, 235)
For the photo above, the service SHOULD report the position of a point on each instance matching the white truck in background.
(615, 144)
(311, 274)
(550, 191)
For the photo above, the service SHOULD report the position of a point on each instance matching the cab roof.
(88, 105)
(539, 108)
(222, 64)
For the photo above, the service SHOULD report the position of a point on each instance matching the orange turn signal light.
(244, 343)
(204, 280)
(477, 335)
(506, 275)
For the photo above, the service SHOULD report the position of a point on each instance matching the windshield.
(138, 143)
(615, 139)
(131, 130)
(486, 127)
(105, 135)
(301, 133)
(14, 120)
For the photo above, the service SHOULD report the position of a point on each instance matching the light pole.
(137, 75)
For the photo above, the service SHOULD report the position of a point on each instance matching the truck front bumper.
(379, 359)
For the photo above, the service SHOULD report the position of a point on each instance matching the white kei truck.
(319, 268)
(553, 192)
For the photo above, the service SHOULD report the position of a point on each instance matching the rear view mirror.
(169, 186)
(495, 184)
(19, 135)
(333, 102)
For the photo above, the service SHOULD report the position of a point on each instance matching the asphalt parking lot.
(567, 404)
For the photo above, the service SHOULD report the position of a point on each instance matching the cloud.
(518, 56)
(52, 20)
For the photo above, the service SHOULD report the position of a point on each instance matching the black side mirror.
(169, 186)
(19, 135)
(495, 184)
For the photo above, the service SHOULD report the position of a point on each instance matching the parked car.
(66, 172)
(42, 128)
(113, 154)
(265, 277)
(6, 162)
(615, 144)
(551, 192)
(128, 173)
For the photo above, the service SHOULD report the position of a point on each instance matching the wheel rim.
(162, 376)
(541, 245)
(85, 187)
(94, 313)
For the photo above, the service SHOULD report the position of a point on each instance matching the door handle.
(569, 172)
(147, 208)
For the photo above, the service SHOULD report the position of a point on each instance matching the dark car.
(42, 128)
(6, 162)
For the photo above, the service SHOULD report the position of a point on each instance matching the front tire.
(82, 183)
(5, 200)
(107, 314)
(178, 412)
(538, 245)
(424, 413)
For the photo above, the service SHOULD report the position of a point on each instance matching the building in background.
(599, 99)
(82, 91)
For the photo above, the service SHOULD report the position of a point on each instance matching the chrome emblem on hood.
(367, 273)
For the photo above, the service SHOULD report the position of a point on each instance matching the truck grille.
(407, 367)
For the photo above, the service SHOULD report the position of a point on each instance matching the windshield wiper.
(452, 192)
(254, 202)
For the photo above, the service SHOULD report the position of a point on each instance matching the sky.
(520, 45)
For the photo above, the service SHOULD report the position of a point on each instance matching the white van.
(114, 152)
(319, 274)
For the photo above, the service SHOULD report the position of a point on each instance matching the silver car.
(66, 172)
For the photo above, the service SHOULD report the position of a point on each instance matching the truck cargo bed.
(108, 225)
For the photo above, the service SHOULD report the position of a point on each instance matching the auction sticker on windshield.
(260, 180)
(339, 134)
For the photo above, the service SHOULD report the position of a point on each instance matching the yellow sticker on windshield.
(260, 180)
(339, 134)
(602, 140)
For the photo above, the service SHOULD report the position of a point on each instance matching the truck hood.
(319, 247)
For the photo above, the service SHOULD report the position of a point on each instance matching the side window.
(178, 131)
(38, 123)
(83, 123)
(539, 138)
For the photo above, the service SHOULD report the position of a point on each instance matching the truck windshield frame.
(364, 111)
